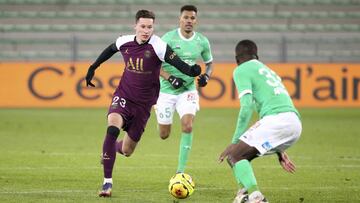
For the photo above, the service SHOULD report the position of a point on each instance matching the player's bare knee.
(187, 128)
(236, 156)
(164, 134)
(127, 152)
(127, 155)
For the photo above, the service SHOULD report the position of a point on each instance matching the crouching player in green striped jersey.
(279, 126)
(177, 90)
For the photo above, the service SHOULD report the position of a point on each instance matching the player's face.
(144, 28)
(188, 21)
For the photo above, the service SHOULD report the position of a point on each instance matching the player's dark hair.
(246, 48)
(188, 8)
(144, 14)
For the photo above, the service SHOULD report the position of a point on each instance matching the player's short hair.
(144, 14)
(188, 8)
(246, 47)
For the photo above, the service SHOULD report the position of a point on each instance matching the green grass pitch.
(52, 155)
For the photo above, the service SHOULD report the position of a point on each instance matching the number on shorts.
(122, 101)
(167, 113)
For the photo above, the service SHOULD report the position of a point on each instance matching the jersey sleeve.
(244, 117)
(159, 46)
(206, 53)
(123, 39)
(242, 81)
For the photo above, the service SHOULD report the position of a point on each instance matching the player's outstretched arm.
(105, 55)
(174, 60)
(285, 162)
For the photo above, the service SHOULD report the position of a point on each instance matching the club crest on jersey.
(147, 54)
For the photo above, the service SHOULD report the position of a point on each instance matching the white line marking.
(328, 188)
(169, 167)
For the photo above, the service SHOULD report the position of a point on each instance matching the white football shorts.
(273, 133)
(185, 103)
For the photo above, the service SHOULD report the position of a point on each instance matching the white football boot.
(257, 197)
(241, 196)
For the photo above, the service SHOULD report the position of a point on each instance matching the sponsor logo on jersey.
(266, 145)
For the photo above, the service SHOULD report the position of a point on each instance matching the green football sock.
(245, 175)
(233, 170)
(237, 179)
(185, 146)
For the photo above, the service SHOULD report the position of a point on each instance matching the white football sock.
(107, 180)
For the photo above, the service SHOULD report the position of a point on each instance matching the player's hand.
(203, 80)
(285, 162)
(176, 82)
(89, 76)
(226, 152)
(195, 70)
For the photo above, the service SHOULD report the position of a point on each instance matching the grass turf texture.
(52, 155)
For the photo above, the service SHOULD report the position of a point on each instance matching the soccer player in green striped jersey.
(177, 90)
(279, 126)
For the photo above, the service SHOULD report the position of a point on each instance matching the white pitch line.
(169, 167)
(357, 158)
(46, 191)
(327, 188)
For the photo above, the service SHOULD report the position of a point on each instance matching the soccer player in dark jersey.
(138, 90)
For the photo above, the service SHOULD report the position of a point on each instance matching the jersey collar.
(144, 42)
(184, 38)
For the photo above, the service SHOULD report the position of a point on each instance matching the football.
(181, 185)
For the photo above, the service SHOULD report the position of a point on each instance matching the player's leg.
(128, 145)
(240, 159)
(185, 141)
(164, 110)
(264, 137)
(187, 106)
(115, 121)
(134, 130)
(164, 131)
(244, 174)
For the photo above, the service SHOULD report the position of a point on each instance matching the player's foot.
(106, 190)
(241, 196)
(257, 197)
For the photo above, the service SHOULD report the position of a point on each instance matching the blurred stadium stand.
(285, 30)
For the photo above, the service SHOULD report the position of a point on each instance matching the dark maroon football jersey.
(140, 80)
